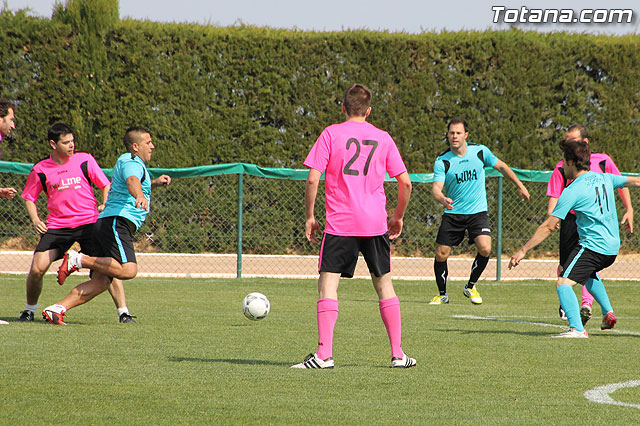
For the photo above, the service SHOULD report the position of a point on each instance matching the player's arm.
(506, 171)
(404, 194)
(311, 227)
(163, 180)
(134, 186)
(32, 210)
(436, 191)
(553, 201)
(8, 193)
(105, 195)
(541, 234)
(627, 217)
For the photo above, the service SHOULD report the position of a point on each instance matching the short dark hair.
(458, 121)
(580, 128)
(57, 130)
(130, 138)
(5, 106)
(357, 100)
(578, 152)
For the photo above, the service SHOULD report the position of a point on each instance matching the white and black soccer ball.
(256, 306)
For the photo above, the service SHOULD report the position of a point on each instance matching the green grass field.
(194, 359)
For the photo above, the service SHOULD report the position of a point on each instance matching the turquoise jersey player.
(590, 195)
(126, 208)
(459, 185)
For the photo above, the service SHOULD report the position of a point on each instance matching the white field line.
(541, 324)
(601, 395)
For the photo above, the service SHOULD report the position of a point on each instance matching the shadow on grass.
(229, 361)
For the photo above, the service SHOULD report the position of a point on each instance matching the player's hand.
(628, 219)
(395, 228)
(40, 226)
(524, 194)
(163, 180)
(516, 258)
(142, 203)
(447, 203)
(8, 193)
(312, 230)
(100, 208)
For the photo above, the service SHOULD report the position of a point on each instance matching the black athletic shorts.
(583, 264)
(453, 226)
(113, 237)
(63, 238)
(340, 254)
(569, 238)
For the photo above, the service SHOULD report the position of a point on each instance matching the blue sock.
(570, 304)
(597, 290)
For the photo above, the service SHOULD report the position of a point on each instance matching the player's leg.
(116, 290)
(569, 303)
(450, 233)
(480, 235)
(105, 265)
(338, 257)
(113, 242)
(596, 288)
(79, 295)
(568, 240)
(39, 266)
(377, 254)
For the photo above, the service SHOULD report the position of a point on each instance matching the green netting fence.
(243, 220)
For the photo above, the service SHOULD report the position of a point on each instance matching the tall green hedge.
(216, 95)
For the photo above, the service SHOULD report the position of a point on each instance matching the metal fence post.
(239, 254)
(499, 241)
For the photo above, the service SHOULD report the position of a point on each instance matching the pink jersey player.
(355, 157)
(70, 198)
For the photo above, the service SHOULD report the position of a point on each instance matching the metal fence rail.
(243, 220)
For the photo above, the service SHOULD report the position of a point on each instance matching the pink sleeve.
(395, 165)
(318, 157)
(32, 188)
(610, 167)
(96, 174)
(556, 183)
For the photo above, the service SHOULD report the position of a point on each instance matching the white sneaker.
(573, 334)
(312, 361)
(404, 362)
(3, 322)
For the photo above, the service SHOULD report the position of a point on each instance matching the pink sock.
(327, 317)
(390, 313)
(587, 298)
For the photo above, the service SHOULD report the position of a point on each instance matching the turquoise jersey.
(120, 202)
(464, 178)
(591, 197)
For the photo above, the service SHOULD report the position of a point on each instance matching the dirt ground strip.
(226, 265)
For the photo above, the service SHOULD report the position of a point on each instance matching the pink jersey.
(70, 198)
(354, 157)
(600, 163)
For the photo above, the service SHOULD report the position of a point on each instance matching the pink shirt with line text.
(355, 157)
(70, 198)
(600, 163)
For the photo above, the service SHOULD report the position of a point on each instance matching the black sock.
(477, 269)
(442, 272)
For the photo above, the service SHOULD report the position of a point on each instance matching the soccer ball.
(256, 306)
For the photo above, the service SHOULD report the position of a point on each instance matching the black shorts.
(569, 238)
(113, 237)
(583, 264)
(63, 238)
(453, 226)
(340, 254)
